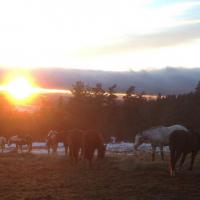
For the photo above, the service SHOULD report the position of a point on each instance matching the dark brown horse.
(74, 140)
(93, 140)
(181, 143)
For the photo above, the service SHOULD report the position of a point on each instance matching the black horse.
(182, 143)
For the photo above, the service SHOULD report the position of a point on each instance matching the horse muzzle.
(136, 147)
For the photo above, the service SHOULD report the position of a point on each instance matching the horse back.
(184, 141)
(74, 138)
(93, 138)
(178, 139)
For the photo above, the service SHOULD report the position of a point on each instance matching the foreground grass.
(40, 177)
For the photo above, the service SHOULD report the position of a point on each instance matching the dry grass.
(40, 177)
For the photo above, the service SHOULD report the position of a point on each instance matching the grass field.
(43, 177)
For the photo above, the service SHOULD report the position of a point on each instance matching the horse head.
(3, 140)
(139, 139)
(52, 140)
(101, 151)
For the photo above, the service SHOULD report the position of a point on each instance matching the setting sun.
(20, 88)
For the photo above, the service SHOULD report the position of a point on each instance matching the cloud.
(92, 34)
(168, 38)
(166, 81)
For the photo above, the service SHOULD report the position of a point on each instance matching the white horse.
(52, 141)
(157, 137)
(3, 141)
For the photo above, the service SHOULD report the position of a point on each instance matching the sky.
(116, 35)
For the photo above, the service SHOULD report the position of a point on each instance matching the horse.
(182, 143)
(157, 137)
(93, 140)
(54, 137)
(52, 141)
(3, 141)
(20, 141)
(75, 144)
(85, 142)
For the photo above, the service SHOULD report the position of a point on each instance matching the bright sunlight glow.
(20, 88)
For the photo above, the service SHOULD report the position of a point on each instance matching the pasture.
(27, 176)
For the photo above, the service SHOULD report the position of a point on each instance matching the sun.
(20, 88)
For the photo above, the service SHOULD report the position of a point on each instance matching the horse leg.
(48, 148)
(81, 152)
(161, 152)
(90, 157)
(194, 153)
(71, 155)
(172, 162)
(76, 154)
(4, 146)
(30, 147)
(177, 157)
(90, 163)
(153, 152)
(182, 160)
(55, 146)
(66, 148)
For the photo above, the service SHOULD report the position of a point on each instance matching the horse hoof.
(172, 173)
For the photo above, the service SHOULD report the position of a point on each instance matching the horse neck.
(148, 134)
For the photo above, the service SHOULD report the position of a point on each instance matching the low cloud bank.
(165, 81)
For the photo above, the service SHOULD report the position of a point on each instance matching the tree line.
(94, 108)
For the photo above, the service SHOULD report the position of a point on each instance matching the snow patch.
(122, 147)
